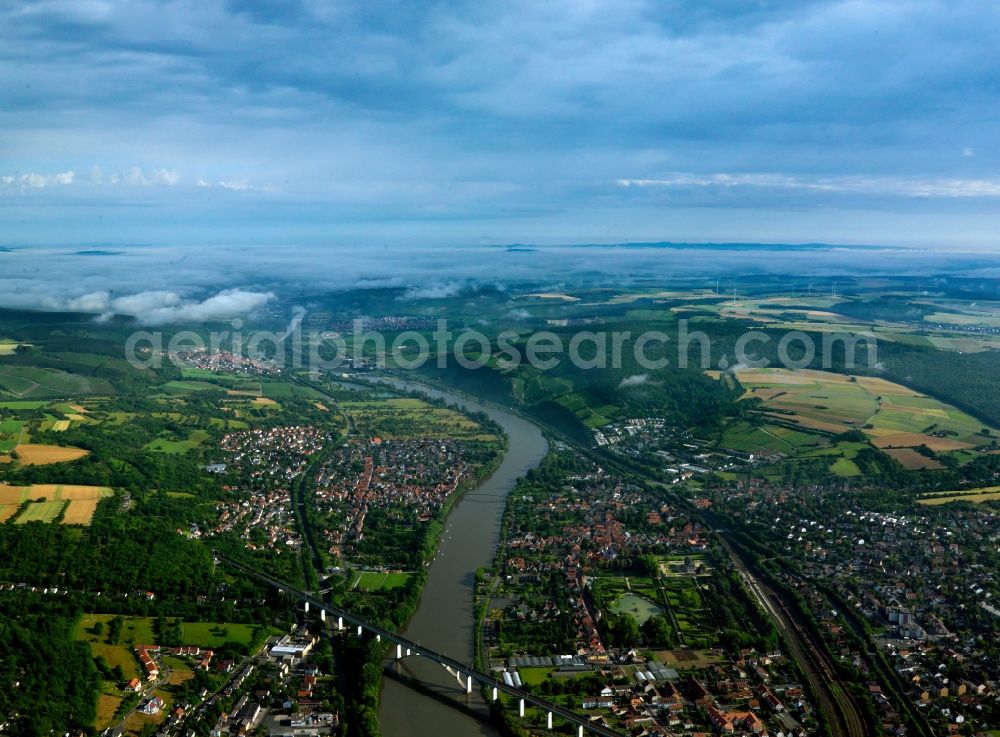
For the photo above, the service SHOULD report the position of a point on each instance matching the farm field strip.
(890, 414)
(40, 512)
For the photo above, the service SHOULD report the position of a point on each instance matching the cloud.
(892, 186)
(438, 290)
(499, 122)
(634, 380)
(34, 180)
(164, 307)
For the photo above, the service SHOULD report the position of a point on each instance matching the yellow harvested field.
(7, 511)
(60, 426)
(265, 401)
(51, 492)
(40, 455)
(6, 459)
(320, 405)
(80, 511)
(883, 388)
(78, 408)
(976, 496)
(783, 376)
(911, 439)
(242, 393)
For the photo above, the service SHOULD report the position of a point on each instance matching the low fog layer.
(160, 285)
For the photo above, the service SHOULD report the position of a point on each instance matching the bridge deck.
(425, 652)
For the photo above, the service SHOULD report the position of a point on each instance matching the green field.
(23, 405)
(40, 512)
(139, 631)
(178, 447)
(768, 439)
(29, 382)
(190, 386)
(889, 413)
(369, 581)
(11, 432)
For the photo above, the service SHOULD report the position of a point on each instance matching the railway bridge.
(466, 675)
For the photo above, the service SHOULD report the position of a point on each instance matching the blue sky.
(371, 123)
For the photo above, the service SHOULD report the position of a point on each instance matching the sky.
(374, 124)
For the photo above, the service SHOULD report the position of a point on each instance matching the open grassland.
(11, 433)
(46, 512)
(173, 446)
(768, 439)
(139, 631)
(974, 496)
(27, 382)
(378, 581)
(408, 417)
(107, 707)
(41, 455)
(890, 414)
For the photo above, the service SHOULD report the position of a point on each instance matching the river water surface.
(444, 619)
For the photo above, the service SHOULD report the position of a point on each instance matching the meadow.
(890, 414)
(369, 581)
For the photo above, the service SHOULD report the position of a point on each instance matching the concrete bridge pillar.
(340, 622)
(407, 652)
(579, 731)
(468, 685)
(399, 652)
(494, 693)
(520, 709)
(359, 630)
(307, 607)
(550, 721)
(378, 638)
(322, 613)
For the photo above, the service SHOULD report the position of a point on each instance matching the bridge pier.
(494, 694)
(307, 607)
(550, 721)
(520, 709)
(579, 731)
(407, 652)
(399, 652)
(378, 638)
(468, 685)
(322, 613)
(359, 630)
(340, 622)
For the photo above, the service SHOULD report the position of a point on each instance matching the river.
(444, 617)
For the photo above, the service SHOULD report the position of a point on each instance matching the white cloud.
(92, 302)
(160, 307)
(239, 185)
(892, 186)
(634, 380)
